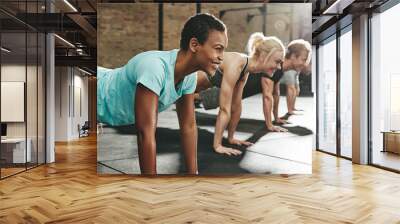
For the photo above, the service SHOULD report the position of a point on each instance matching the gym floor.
(272, 153)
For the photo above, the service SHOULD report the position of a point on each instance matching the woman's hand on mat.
(239, 142)
(276, 129)
(225, 150)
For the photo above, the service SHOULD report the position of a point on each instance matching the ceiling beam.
(86, 26)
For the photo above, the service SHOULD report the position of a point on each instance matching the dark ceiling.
(76, 22)
(72, 20)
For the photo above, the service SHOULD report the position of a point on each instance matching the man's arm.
(146, 109)
(188, 129)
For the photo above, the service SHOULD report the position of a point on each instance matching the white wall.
(33, 126)
(70, 83)
(61, 103)
(12, 73)
(12, 100)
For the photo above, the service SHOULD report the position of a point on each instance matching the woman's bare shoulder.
(234, 60)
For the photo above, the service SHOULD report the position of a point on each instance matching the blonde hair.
(296, 47)
(259, 43)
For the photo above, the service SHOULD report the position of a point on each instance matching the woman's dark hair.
(199, 26)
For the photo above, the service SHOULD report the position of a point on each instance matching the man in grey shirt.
(291, 80)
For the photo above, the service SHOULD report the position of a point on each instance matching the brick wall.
(175, 16)
(125, 30)
(239, 29)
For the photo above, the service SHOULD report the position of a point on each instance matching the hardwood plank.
(70, 191)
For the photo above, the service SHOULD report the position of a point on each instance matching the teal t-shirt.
(116, 88)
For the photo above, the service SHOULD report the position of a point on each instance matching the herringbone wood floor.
(70, 191)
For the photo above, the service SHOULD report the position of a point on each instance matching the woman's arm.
(235, 114)
(276, 94)
(224, 115)
(188, 129)
(146, 109)
(267, 86)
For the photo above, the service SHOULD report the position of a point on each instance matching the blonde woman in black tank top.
(266, 55)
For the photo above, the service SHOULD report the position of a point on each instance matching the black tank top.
(216, 79)
(276, 77)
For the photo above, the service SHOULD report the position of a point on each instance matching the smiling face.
(299, 62)
(272, 62)
(210, 54)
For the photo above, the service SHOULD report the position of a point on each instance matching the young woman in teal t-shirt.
(157, 79)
